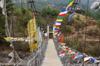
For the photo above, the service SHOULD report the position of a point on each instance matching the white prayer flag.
(3, 6)
(1, 3)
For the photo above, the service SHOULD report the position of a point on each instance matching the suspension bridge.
(45, 51)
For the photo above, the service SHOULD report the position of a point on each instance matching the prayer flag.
(61, 39)
(86, 59)
(69, 4)
(71, 16)
(63, 12)
(58, 24)
(60, 17)
(3, 6)
(60, 20)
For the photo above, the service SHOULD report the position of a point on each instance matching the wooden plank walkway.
(51, 58)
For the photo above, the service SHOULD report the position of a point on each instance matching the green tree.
(2, 20)
(18, 12)
(98, 24)
(44, 12)
(55, 12)
(64, 28)
(49, 12)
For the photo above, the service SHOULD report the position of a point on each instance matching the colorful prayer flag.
(69, 4)
(58, 24)
(59, 20)
(86, 59)
(60, 17)
(61, 39)
(62, 55)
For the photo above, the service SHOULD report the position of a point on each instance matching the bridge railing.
(69, 61)
(34, 59)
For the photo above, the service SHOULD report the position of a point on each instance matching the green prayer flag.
(70, 1)
(59, 17)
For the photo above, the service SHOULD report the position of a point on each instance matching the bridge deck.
(51, 58)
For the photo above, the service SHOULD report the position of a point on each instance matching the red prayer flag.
(67, 48)
(61, 39)
(62, 15)
(73, 56)
(63, 52)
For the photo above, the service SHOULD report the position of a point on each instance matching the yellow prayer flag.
(32, 33)
(6, 38)
(60, 20)
(68, 52)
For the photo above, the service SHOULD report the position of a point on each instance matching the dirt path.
(51, 58)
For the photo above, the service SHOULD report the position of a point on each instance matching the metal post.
(53, 30)
(48, 30)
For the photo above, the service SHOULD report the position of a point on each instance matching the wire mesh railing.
(34, 59)
(69, 61)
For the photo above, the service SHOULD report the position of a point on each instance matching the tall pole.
(53, 30)
(79, 4)
(48, 29)
(13, 31)
(28, 19)
(22, 18)
(86, 24)
(12, 19)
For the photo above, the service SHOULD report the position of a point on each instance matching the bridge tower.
(79, 4)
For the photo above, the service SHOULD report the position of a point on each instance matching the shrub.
(94, 51)
(18, 12)
(77, 17)
(68, 28)
(78, 25)
(98, 24)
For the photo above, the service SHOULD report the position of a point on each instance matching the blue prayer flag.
(64, 9)
(71, 16)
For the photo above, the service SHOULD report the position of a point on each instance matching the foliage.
(18, 12)
(41, 23)
(68, 28)
(80, 11)
(64, 28)
(98, 24)
(27, 15)
(78, 25)
(49, 12)
(55, 12)
(71, 43)
(40, 20)
(2, 20)
(93, 51)
(77, 17)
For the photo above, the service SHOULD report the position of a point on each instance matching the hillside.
(77, 34)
